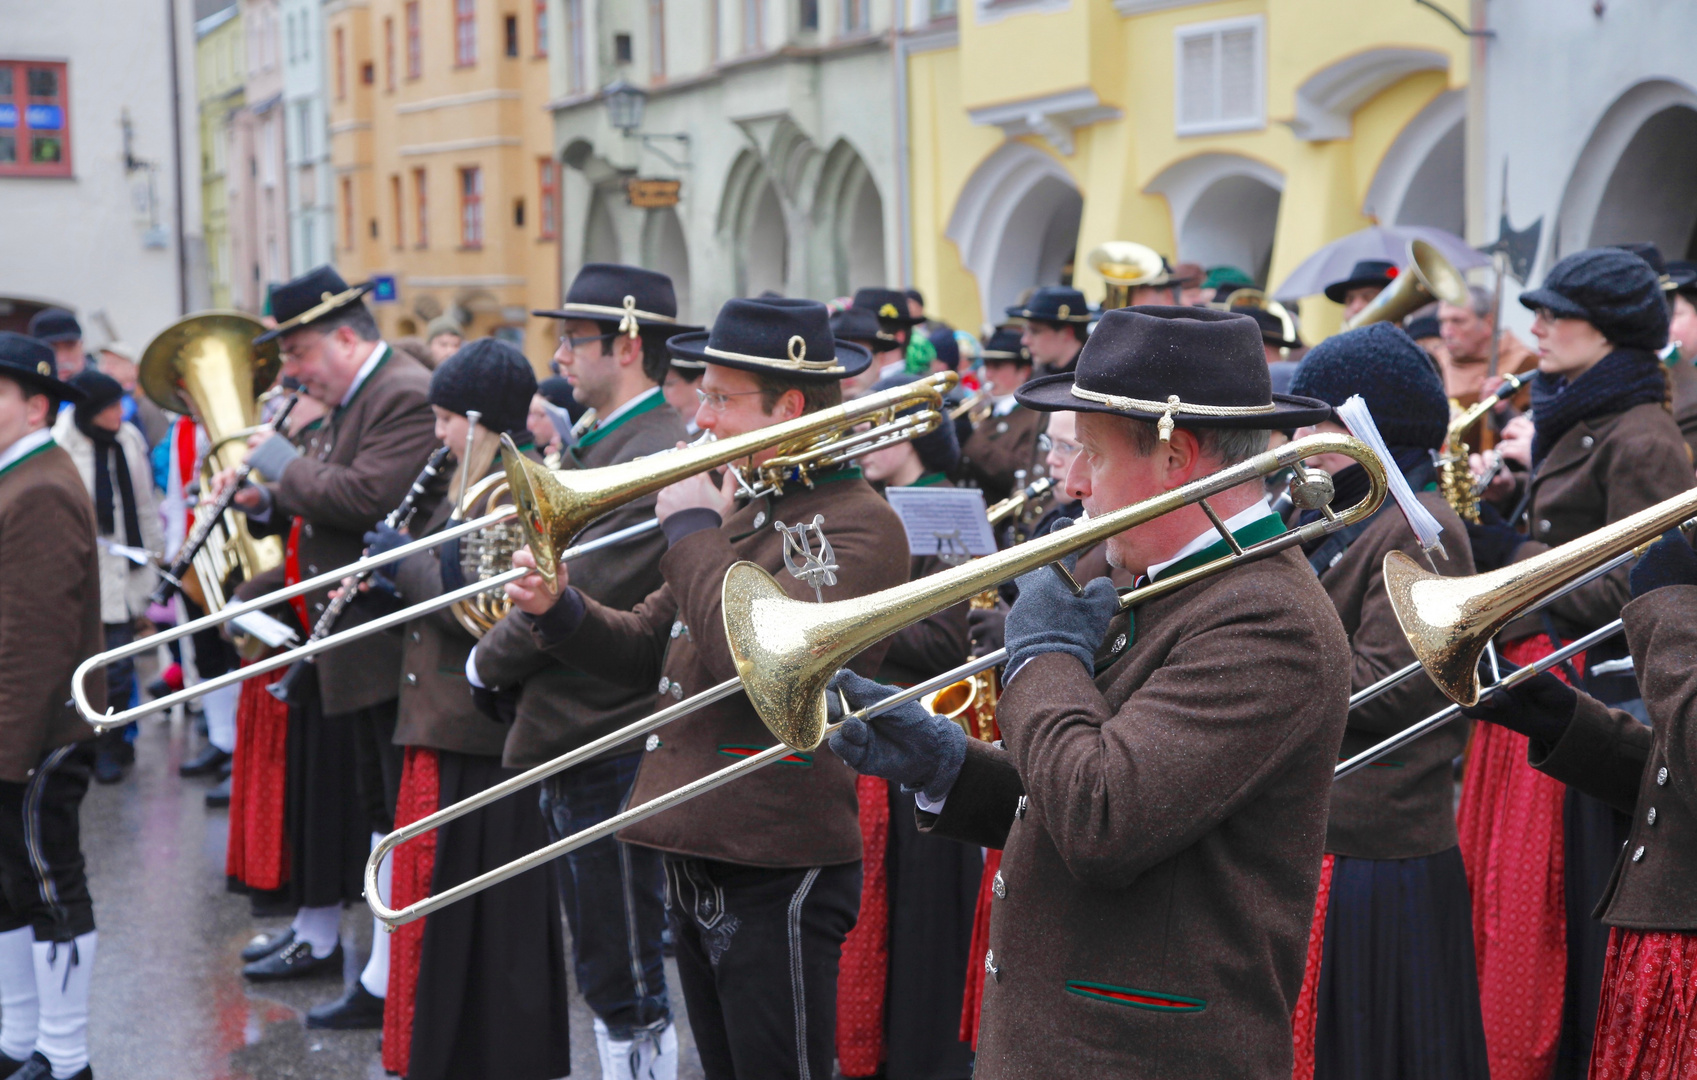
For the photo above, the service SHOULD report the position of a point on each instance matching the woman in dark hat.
(1366, 280)
(478, 989)
(1604, 447)
(1390, 988)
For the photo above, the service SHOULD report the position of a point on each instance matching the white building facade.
(309, 188)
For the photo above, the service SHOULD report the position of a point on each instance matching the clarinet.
(398, 519)
(171, 580)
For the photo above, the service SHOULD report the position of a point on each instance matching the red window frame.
(548, 199)
(26, 118)
(347, 213)
(539, 23)
(465, 33)
(415, 44)
(341, 63)
(471, 207)
(421, 209)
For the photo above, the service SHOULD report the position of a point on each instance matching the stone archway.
(1636, 178)
(600, 235)
(1225, 210)
(1016, 224)
(755, 228)
(1421, 180)
(665, 250)
(848, 224)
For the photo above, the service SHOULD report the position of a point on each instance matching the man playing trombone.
(1161, 793)
(763, 877)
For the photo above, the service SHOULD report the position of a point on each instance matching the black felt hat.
(488, 376)
(54, 324)
(312, 296)
(1682, 275)
(1366, 274)
(889, 305)
(1390, 372)
(1423, 326)
(635, 298)
(788, 338)
(1651, 254)
(860, 325)
(1004, 347)
(1055, 304)
(1189, 366)
(1610, 288)
(1272, 327)
(29, 361)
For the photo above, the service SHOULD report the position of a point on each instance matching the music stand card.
(951, 522)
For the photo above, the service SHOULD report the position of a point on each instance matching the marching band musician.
(1367, 279)
(1057, 320)
(49, 623)
(478, 990)
(763, 876)
(1645, 1026)
(1603, 448)
(613, 892)
(1392, 990)
(1004, 442)
(356, 466)
(896, 320)
(1161, 794)
(1682, 334)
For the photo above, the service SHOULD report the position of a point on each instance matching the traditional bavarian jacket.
(1162, 824)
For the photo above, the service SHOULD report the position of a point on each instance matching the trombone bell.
(1427, 276)
(790, 692)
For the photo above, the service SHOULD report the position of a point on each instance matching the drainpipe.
(904, 220)
(177, 159)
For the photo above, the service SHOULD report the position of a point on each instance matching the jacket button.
(998, 886)
(990, 967)
(1638, 853)
(1587, 442)
(677, 691)
(1119, 644)
(306, 531)
(415, 635)
(313, 570)
(1544, 525)
(652, 744)
(1650, 818)
(412, 680)
(1019, 809)
(665, 684)
(1001, 427)
(1661, 776)
(760, 519)
(677, 627)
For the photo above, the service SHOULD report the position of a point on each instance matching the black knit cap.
(29, 363)
(948, 349)
(939, 450)
(54, 324)
(99, 391)
(1382, 363)
(1610, 288)
(490, 377)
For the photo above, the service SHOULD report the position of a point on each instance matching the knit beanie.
(442, 324)
(939, 450)
(488, 376)
(1612, 289)
(1390, 372)
(947, 348)
(101, 390)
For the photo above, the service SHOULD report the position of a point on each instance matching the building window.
(807, 15)
(368, 73)
(415, 44)
(942, 9)
(512, 30)
(389, 55)
(1219, 76)
(35, 119)
(623, 49)
(518, 213)
(421, 210)
(465, 32)
(548, 199)
(751, 29)
(574, 46)
(657, 40)
(471, 207)
(341, 64)
(397, 209)
(347, 213)
(857, 16)
(539, 21)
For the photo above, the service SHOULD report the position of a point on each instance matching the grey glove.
(271, 457)
(1047, 617)
(916, 748)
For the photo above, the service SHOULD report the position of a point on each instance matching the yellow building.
(1236, 132)
(444, 173)
(220, 79)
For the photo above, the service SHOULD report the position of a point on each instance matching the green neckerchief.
(40, 449)
(388, 351)
(1262, 528)
(654, 400)
(930, 479)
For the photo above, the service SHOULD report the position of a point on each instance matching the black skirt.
(1398, 995)
(328, 833)
(491, 999)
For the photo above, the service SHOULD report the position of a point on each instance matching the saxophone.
(1455, 479)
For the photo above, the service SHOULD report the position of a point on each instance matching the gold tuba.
(1124, 265)
(1426, 277)
(206, 366)
(486, 553)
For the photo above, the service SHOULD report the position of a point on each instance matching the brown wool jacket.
(801, 811)
(998, 448)
(1403, 806)
(1598, 472)
(49, 608)
(560, 705)
(354, 468)
(1648, 772)
(1158, 877)
(1686, 418)
(933, 645)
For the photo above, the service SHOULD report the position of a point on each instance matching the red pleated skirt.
(864, 970)
(1647, 1020)
(414, 863)
(257, 854)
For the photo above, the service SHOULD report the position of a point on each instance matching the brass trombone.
(1448, 621)
(787, 650)
(553, 507)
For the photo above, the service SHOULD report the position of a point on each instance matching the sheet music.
(944, 521)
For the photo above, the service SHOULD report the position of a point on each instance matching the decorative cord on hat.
(797, 361)
(628, 314)
(1172, 405)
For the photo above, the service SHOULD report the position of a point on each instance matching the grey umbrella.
(1390, 242)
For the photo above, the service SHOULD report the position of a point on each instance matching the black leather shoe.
(204, 763)
(293, 961)
(10, 1067)
(266, 944)
(37, 1068)
(107, 768)
(356, 1010)
(219, 795)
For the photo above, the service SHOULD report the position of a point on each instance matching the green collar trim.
(388, 354)
(42, 449)
(841, 472)
(1153, 1000)
(653, 401)
(1262, 528)
(930, 479)
(743, 750)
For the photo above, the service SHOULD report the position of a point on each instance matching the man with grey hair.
(1467, 330)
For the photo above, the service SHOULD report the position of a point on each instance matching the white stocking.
(18, 1002)
(220, 709)
(375, 977)
(62, 970)
(319, 927)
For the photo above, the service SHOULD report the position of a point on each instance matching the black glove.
(1493, 540)
(910, 745)
(1539, 708)
(1670, 561)
(985, 626)
(501, 706)
(1047, 617)
(378, 541)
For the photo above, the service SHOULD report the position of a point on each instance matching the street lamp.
(625, 105)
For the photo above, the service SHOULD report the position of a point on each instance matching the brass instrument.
(1455, 479)
(485, 554)
(976, 407)
(1125, 265)
(553, 508)
(786, 650)
(1260, 301)
(1427, 276)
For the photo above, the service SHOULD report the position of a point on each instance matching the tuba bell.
(1124, 265)
(1427, 276)
(206, 366)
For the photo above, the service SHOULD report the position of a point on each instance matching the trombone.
(553, 507)
(787, 650)
(1449, 621)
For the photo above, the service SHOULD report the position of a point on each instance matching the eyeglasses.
(1050, 445)
(719, 402)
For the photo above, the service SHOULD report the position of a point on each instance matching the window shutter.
(1237, 74)
(1196, 80)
